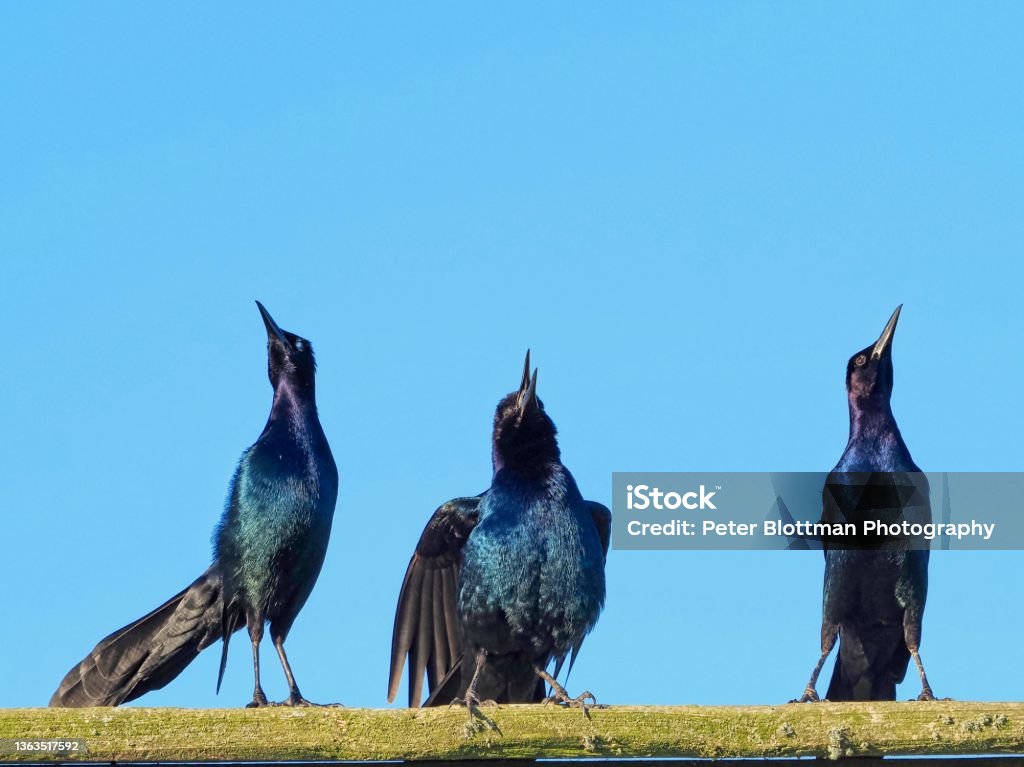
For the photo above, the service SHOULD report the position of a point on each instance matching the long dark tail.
(149, 653)
(872, 660)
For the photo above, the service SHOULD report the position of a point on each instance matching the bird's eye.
(861, 359)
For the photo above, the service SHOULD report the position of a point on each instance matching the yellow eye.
(861, 359)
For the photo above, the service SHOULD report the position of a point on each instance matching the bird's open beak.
(273, 331)
(886, 338)
(528, 396)
(527, 387)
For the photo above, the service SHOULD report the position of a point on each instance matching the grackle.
(268, 551)
(502, 584)
(874, 590)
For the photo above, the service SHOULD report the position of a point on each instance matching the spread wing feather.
(426, 627)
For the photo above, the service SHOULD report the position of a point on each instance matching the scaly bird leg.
(559, 694)
(259, 699)
(926, 689)
(294, 696)
(829, 632)
(472, 701)
(912, 636)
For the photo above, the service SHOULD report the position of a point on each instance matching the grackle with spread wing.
(506, 582)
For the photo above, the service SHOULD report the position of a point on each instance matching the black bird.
(875, 589)
(504, 583)
(268, 551)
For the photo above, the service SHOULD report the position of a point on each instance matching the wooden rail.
(834, 730)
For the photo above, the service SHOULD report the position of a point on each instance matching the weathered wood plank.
(520, 732)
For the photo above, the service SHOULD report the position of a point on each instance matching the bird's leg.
(472, 701)
(559, 695)
(259, 699)
(926, 689)
(829, 632)
(294, 696)
(810, 693)
(912, 636)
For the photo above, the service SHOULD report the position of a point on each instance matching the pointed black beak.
(273, 331)
(885, 340)
(528, 396)
(526, 373)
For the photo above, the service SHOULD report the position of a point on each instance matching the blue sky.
(692, 213)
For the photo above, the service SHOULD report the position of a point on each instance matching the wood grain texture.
(522, 732)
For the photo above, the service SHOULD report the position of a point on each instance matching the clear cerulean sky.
(693, 213)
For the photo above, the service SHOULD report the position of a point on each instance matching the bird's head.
(869, 371)
(290, 357)
(524, 435)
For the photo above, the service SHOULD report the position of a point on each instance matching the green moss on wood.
(823, 729)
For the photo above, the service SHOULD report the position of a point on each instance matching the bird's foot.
(477, 721)
(561, 697)
(472, 701)
(927, 694)
(297, 701)
(259, 700)
(810, 696)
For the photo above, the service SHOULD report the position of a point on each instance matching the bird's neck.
(294, 402)
(872, 420)
(534, 461)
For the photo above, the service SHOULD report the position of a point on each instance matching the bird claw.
(477, 720)
(472, 701)
(297, 701)
(259, 700)
(580, 701)
(928, 695)
(469, 701)
(810, 696)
